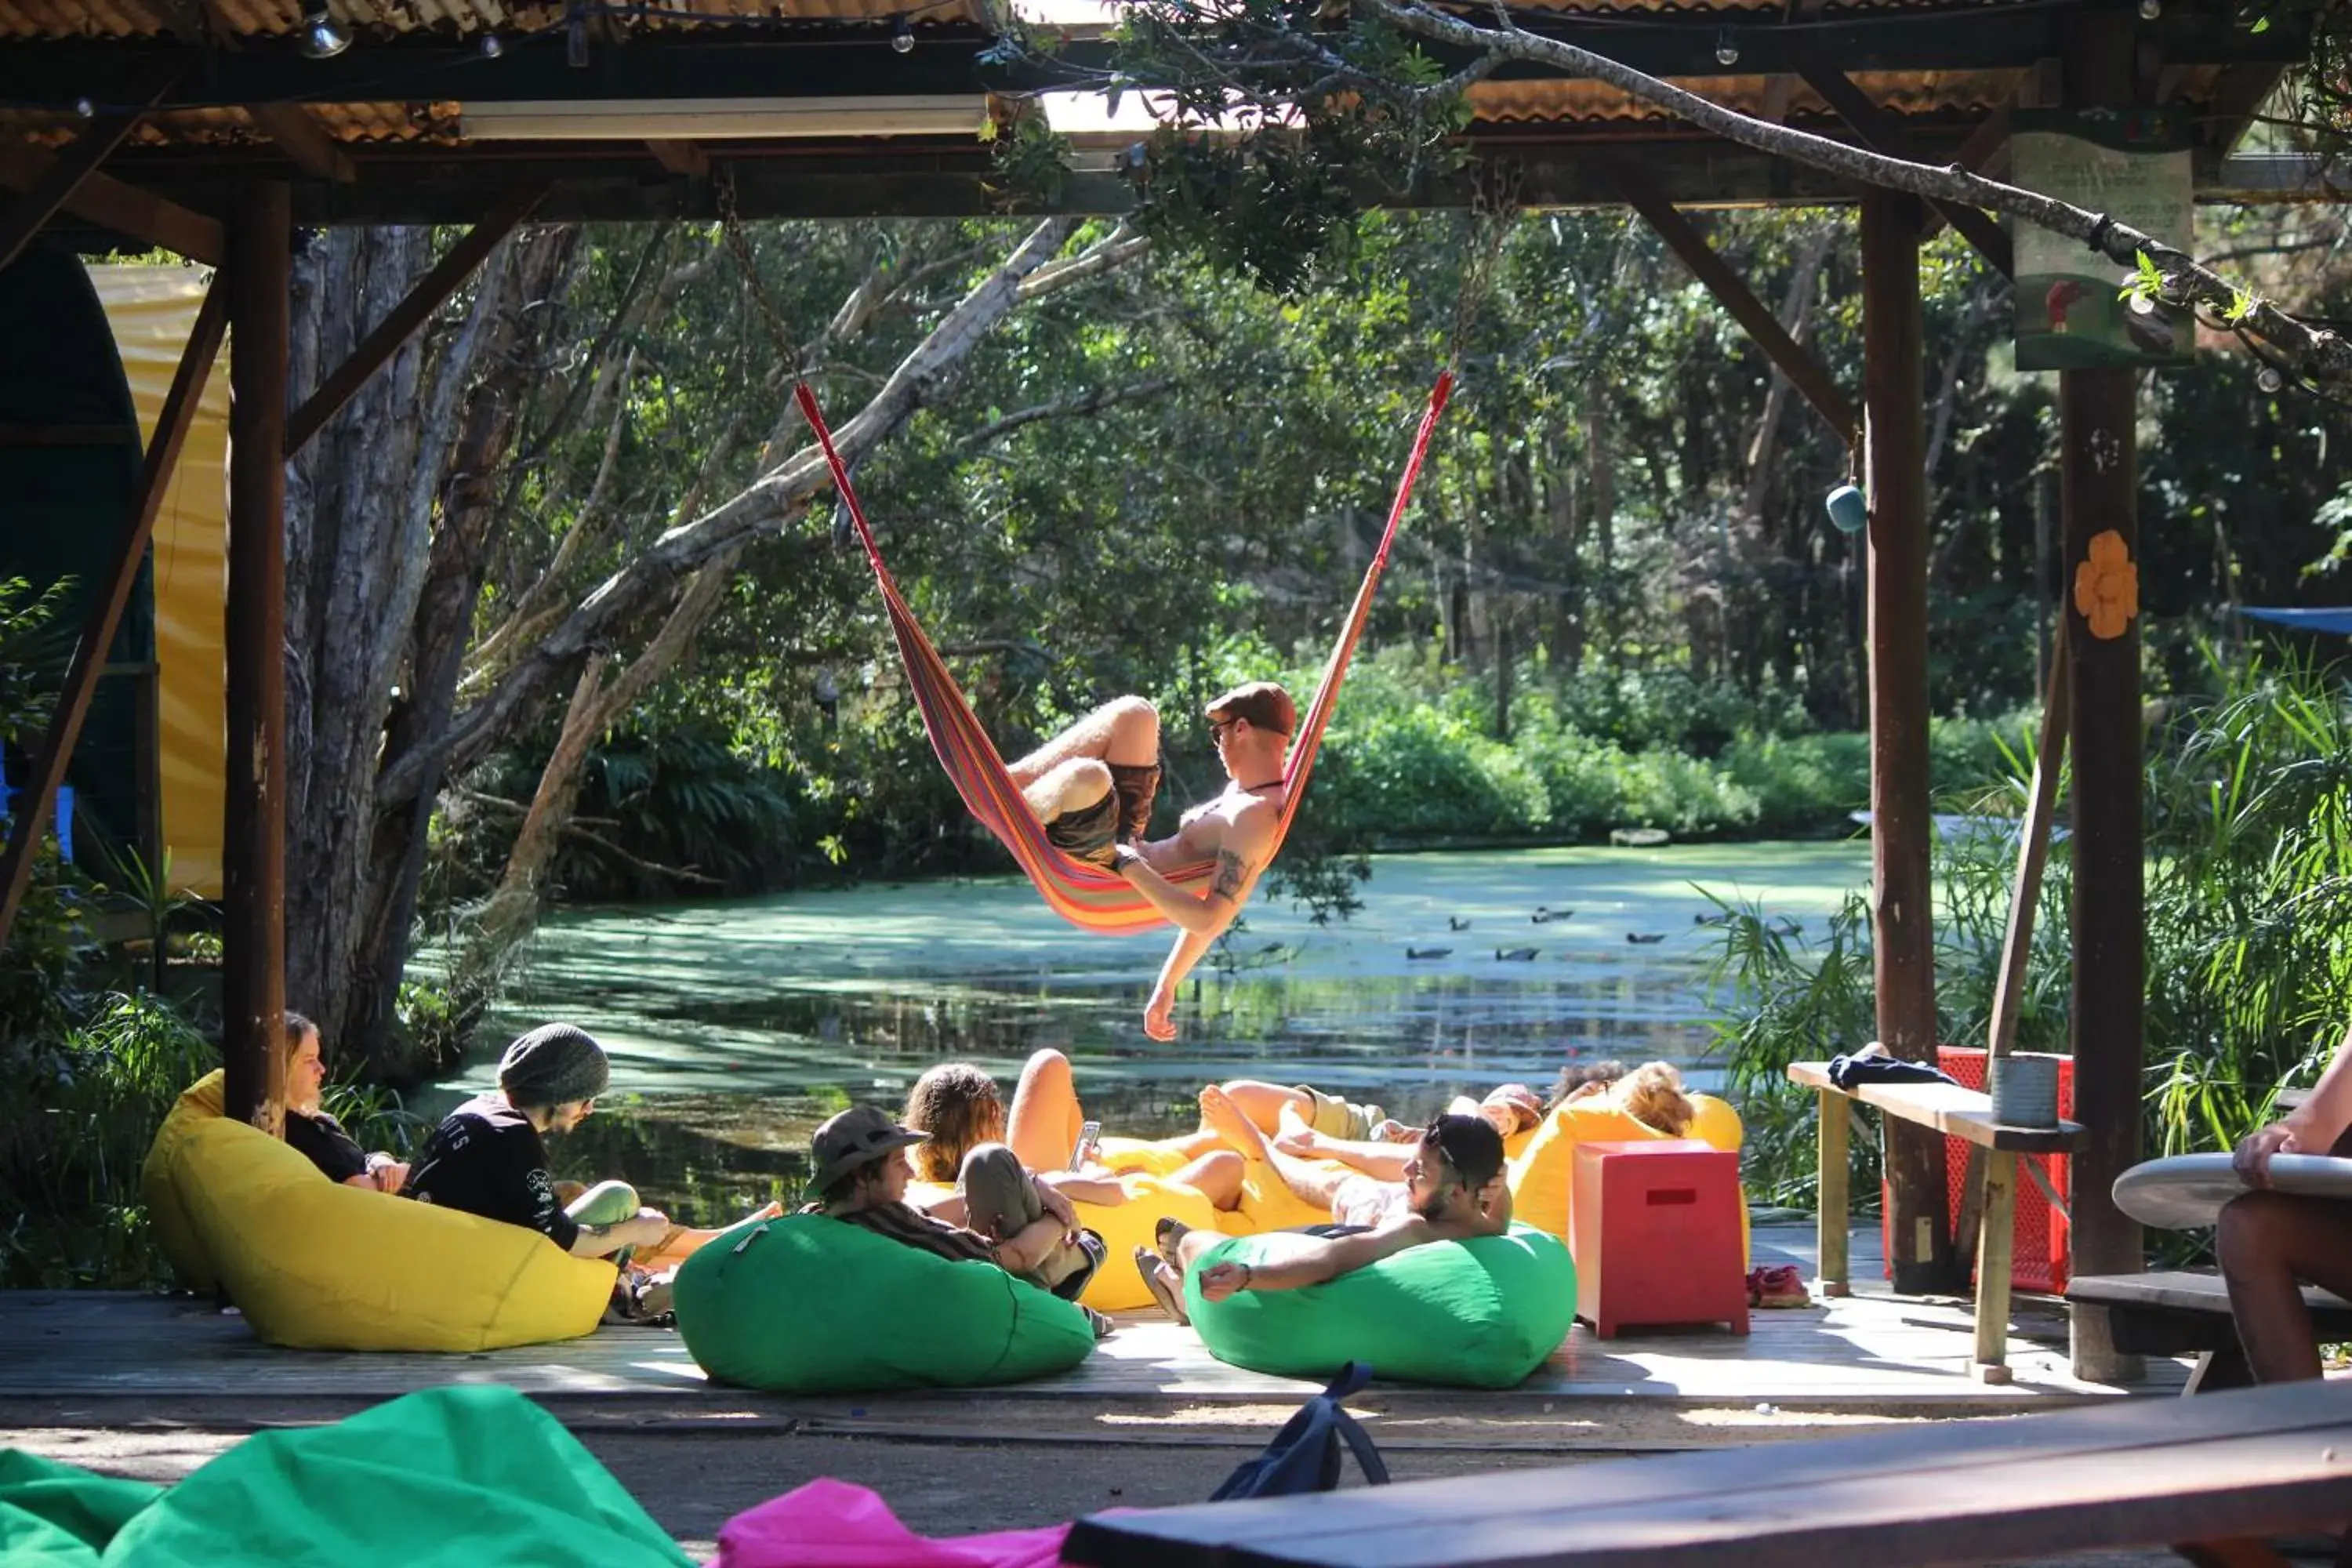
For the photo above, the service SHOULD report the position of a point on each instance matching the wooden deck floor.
(1866, 1350)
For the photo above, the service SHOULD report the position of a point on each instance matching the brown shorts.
(1120, 817)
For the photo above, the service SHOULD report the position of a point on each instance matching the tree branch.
(781, 492)
(1088, 403)
(2314, 353)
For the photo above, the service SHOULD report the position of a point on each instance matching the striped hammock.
(1080, 892)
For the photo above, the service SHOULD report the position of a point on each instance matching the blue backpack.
(1305, 1454)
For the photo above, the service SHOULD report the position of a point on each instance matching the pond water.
(736, 1026)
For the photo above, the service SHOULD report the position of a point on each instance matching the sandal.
(1167, 1237)
(1777, 1285)
(1155, 1279)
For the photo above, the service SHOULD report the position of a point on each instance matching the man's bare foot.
(1393, 1131)
(1167, 1293)
(1221, 1116)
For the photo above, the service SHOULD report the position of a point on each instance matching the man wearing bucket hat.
(858, 1174)
(490, 1157)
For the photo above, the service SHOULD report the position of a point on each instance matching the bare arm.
(1079, 1188)
(2311, 1128)
(1199, 918)
(1022, 1251)
(1327, 1258)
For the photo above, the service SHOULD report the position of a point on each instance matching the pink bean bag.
(831, 1524)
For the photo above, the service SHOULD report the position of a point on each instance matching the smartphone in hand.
(1087, 1134)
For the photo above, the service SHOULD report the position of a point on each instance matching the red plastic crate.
(1656, 1229)
(2038, 1261)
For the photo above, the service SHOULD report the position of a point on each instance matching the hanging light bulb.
(1727, 48)
(320, 38)
(902, 36)
(2150, 10)
(2268, 379)
(490, 48)
(85, 108)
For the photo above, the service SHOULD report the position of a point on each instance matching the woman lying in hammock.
(1092, 786)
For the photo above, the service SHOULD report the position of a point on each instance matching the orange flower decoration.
(2106, 586)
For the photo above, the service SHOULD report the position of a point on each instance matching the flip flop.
(1166, 1237)
(1147, 1264)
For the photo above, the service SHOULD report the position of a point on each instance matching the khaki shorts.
(1336, 1118)
(1000, 1200)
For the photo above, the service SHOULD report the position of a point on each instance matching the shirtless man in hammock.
(1092, 786)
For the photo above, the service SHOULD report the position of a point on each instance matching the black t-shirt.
(322, 1139)
(487, 1158)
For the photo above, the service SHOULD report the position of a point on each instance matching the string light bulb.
(2150, 10)
(1727, 48)
(320, 38)
(490, 48)
(2268, 379)
(85, 108)
(902, 36)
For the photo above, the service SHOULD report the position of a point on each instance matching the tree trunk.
(355, 557)
(511, 913)
(513, 310)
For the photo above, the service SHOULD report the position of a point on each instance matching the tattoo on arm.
(1231, 874)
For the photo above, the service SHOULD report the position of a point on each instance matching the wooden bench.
(2212, 1477)
(2181, 1313)
(1956, 1112)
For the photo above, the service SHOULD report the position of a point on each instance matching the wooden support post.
(402, 321)
(51, 190)
(1805, 373)
(1903, 943)
(105, 615)
(2099, 493)
(1995, 1243)
(1836, 1203)
(253, 856)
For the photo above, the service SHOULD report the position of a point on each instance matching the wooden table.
(2210, 1477)
(1956, 1112)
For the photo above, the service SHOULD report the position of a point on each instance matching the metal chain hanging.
(730, 228)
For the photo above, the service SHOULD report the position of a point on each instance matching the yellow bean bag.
(1541, 1174)
(200, 1102)
(1117, 1286)
(1540, 1177)
(1267, 1202)
(316, 1265)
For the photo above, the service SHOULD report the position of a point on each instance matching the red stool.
(1655, 1232)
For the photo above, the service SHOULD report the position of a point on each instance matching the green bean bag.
(807, 1304)
(1483, 1313)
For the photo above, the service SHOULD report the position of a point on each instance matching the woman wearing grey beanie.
(488, 1157)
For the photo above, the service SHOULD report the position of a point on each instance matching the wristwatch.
(1122, 858)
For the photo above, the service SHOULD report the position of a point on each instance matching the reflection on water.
(736, 1026)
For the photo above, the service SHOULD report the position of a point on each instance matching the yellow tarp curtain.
(152, 310)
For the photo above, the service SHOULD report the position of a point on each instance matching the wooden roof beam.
(106, 609)
(53, 187)
(682, 158)
(126, 209)
(400, 323)
(1878, 132)
(1805, 373)
(304, 140)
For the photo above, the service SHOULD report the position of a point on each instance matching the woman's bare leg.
(1218, 1176)
(1310, 1182)
(1124, 733)
(1262, 1103)
(1044, 1124)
